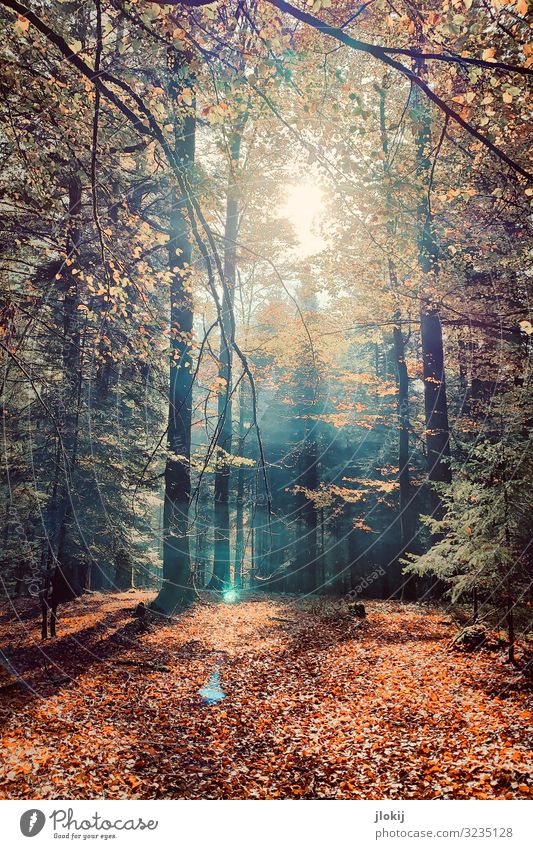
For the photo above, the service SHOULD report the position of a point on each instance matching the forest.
(265, 342)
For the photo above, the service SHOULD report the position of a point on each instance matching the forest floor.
(318, 705)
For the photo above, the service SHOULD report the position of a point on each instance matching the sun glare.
(303, 208)
(230, 596)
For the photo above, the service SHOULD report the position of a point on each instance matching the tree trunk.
(407, 515)
(307, 557)
(222, 555)
(509, 615)
(240, 546)
(176, 590)
(435, 400)
(71, 330)
(59, 582)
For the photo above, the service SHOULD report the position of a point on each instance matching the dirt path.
(317, 706)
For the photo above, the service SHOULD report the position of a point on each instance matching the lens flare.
(212, 692)
(230, 596)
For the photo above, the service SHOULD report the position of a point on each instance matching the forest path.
(318, 705)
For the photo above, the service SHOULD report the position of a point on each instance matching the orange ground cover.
(318, 705)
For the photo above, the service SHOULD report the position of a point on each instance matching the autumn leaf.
(21, 25)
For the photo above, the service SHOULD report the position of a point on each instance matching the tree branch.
(382, 54)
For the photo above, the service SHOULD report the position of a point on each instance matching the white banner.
(267, 825)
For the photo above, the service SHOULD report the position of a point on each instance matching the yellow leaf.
(187, 96)
(488, 54)
(21, 24)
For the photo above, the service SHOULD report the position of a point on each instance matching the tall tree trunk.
(176, 590)
(240, 546)
(71, 328)
(406, 508)
(308, 558)
(60, 582)
(307, 573)
(509, 615)
(222, 553)
(435, 400)
(406, 523)
(72, 367)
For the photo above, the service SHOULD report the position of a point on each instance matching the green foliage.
(483, 534)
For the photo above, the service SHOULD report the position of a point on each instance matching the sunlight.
(303, 208)
(230, 596)
(265, 353)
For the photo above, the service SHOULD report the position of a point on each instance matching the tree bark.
(240, 546)
(59, 581)
(407, 516)
(435, 399)
(176, 590)
(406, 520)
(222, 550)
(308, 559)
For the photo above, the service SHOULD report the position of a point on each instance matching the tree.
(222, 555)
(176, 556)
(484, 534)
